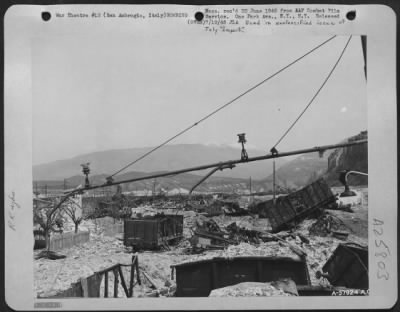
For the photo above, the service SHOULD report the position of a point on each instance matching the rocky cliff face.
(349, 158)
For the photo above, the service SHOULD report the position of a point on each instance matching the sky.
(94, 91)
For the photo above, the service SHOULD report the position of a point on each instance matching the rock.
(303, 238)
(172, 290)
(163, 291)
(287, 285)
(151, 294)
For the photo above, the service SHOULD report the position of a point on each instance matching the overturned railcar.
(347, 267)
(153, 232)
(297, 205)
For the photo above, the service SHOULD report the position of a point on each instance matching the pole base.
(348, 193)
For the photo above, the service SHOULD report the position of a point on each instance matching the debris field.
(313, 238)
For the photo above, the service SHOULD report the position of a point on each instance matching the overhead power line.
(315, 95)
(221, 107)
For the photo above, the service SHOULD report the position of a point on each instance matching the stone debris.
(326, 225)
(272, 249)
(251, 289)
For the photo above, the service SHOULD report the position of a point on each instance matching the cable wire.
(222, 107)
(315, 95)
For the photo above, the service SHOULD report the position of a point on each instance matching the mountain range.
(291, 174)
(170, 157)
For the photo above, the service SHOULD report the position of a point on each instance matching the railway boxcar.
(297, 205)
(152, 232)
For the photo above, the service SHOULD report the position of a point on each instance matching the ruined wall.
(68, 240)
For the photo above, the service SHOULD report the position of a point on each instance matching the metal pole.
(273, 182)
(250, 186)
(209, 174)
(229, 162)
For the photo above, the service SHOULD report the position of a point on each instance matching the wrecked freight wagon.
(347, 267)
(199, 278)
(153, 232)
(296, 206)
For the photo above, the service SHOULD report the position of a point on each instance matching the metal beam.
(364, 49)
(229, 162)
(356, 172)
(209, 174)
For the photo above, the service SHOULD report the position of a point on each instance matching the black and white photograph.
(207, 160)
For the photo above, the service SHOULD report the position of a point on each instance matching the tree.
(118, 202)
(46, 214)
(71, 208)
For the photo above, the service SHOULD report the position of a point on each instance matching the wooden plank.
(115, 271)
(132, 277)
(106, 284)
(111, 268)
(297, 250)
(137, 271)
(123, 282)
(147, 276)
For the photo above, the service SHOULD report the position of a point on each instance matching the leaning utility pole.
(273, 181)
(154, 187)
(219, 164)
(250, 185)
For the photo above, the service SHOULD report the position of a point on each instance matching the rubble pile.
(273, 249)
(326, 225)
(251, 289)
(208, 225)
(235, 236)
(189, 222)
(143, 210)
(242, 234)
(248, 222)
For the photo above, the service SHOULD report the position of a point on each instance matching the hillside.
(289, 174)
(300, 171)
(349, 158)
(308, 167)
